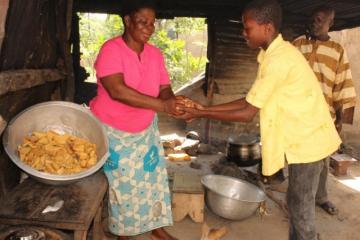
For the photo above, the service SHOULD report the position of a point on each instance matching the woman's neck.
(132, 44)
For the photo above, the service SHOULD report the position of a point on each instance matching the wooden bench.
(187, 198)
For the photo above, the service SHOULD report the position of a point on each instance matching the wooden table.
(82, 205)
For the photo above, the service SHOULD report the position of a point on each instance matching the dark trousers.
(301, 198)
(322, 195)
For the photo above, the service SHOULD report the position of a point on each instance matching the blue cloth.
(139, 196)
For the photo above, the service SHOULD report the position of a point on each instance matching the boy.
(295, 122)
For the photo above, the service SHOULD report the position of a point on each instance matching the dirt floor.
(344, 192)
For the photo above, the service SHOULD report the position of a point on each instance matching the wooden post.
(4, 4)
(70, 83)
(191, 204)
(97, 224)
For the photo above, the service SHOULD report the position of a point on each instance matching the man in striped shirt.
(329, 62)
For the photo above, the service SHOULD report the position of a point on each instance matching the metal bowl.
(230, 197)
(62, 117)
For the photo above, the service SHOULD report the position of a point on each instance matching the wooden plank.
(179, 207)
(187, 183)
(16, 80)
(61, 225)
(63, 23)
(30, 37)
(98, 233)
(4, 5)
(3, 124)
(184, 204)
(197, 203)
(81, 201)
(80, 235)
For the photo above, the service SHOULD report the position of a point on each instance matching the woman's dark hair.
(265, 11)
(129, 7)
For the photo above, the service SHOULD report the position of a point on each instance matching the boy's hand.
(184, 102)
(189, 114)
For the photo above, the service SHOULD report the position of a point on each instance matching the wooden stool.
(82, 205)
(187, 198)
(340, 163)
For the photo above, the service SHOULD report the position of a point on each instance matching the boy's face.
(253, 32)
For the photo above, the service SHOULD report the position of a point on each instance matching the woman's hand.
(170, 107)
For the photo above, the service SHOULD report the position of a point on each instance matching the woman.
(133, 84)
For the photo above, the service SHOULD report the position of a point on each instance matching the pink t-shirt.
(145, 76)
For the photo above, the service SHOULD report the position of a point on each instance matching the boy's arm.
(237, 104)
(245, 114)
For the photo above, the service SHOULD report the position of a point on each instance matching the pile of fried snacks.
(57, 154)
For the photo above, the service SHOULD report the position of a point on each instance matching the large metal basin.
(230, 197)
(62, 117)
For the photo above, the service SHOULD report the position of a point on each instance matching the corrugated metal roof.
(295, 11)
(347, 11)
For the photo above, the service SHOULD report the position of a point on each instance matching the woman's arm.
(117, 90)
(166, 92)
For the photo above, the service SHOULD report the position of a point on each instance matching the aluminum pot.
(62, 117)
(230, 197)
(244, 150)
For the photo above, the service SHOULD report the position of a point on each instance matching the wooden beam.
(14, 80)
(4, 4)
(70, 82)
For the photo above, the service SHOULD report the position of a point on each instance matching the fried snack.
(189, 103)
(57, 154)
(179, 157)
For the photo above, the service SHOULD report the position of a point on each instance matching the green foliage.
(95, 29)
(182, 66)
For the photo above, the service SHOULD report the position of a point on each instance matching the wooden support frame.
(16, 80)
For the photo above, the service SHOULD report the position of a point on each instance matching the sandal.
(329, 208)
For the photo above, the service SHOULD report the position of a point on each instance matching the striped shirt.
(329, 61)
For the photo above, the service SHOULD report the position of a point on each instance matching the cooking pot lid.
(243, 139)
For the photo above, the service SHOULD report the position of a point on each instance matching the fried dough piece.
(57, 154)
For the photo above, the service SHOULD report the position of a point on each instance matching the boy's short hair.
(129, 7)
(324, 8)
(266, 11)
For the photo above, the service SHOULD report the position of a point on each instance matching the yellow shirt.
(294, 118)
